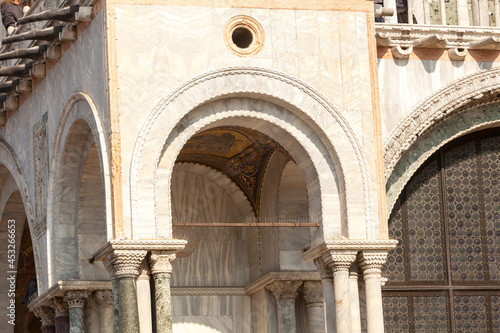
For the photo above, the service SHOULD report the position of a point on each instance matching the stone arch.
(458, 122)
(473, 89)
(80, 142)
(301, 102)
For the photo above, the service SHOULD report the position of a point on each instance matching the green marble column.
(76, 301)
(127, 305)
(161, 268)
(116, 312)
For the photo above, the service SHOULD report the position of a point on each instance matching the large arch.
(79, 151)
(171, 123)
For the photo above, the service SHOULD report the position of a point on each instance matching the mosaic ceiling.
(240, 153)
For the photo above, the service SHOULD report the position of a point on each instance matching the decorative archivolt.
(474, 88)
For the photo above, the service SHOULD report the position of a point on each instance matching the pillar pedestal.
(285, 293)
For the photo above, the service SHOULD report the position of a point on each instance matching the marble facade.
(125, 237)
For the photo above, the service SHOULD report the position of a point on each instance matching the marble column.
(285, 293)
(46, 316)
(144, 298)
(370, 262)
(61, 311)
(313, 295)
(123, 265)
(160, 263)
(340, 261)
(76, 300)
(328, 293)
(354, 292)
(104, 300)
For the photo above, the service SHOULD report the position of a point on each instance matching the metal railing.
(485, 13)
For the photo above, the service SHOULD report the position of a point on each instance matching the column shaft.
(48, 329)
(62, 324)
(116, 312)
(128, 321)
(342, 300)
(76, 320)
(315, 318)
(163, 303)
(286, 315)
(329, 296)
(355, 310)
(374, 309)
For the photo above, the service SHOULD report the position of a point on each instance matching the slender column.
(285, 293)
(144, 299)
(340, 261)
(371, 262)
(354, 292)
(76, 301)
(124, 265)
(328, 293)
(46, 315)
(61, 311)
(161, 269)
(104, 299)
(313, 294)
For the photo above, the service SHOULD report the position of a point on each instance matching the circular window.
(244, 36)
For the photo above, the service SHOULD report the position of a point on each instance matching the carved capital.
(120, 263)
(59, 306)
(371, 262)
(46, 315)
(313, 292)
(76, 298)
(284, 289)
(103, 297)
(339, 260)
(161, 261)
(324, 270)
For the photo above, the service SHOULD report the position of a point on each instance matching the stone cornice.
(61, 287)
(207, 291)
(150, 245)
(348, 244)
(280, 276)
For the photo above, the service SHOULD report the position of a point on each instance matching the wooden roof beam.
(66, 14)
(44, 34)
(18, 70)
(30, 53)
(8, 86)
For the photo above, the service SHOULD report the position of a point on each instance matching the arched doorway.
(444, 275)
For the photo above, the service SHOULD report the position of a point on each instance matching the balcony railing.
(485, 13)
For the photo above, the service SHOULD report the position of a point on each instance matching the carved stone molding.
(284, 289)
(207, 291)
(161, 261)
(125, 262)
(339, 260)
(46, 315)
(433, 110)
(313, 292)
(59, 306)
(103, 297)
(371, 262)
(347, 244)
(76, 299)
(280, 276)
(324, 270)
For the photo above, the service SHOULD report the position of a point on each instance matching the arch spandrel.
(301, 102)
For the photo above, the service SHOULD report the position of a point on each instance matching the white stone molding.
(313, 292)
(45, 314)
(435, 109)
(347, 244)
(428, 36)
(60, 307)
(161, 261)
(76, 298)
(207, 291)
(280, 276)
(125, 262)
(103, 297)
(371, 261)
(284, 289)
(275, 86)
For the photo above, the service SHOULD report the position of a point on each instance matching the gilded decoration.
(240, 153)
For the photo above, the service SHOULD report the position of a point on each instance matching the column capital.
(45, 314)
(103, 297)
(122, 263)
(324, 270)
(313, 292)
(371, 261)
(284, 289)
(339, 260)
(161, 261)
(76, 298)
(59, 306)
